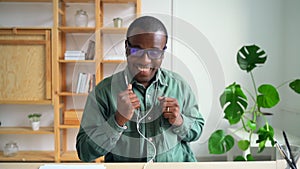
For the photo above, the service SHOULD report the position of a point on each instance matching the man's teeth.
(143, 69)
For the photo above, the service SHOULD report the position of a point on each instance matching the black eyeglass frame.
(129, 48)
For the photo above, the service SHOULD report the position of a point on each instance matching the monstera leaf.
(234, 101)
(220, 143)
(264, 134)
(248, 57)
(268, 96)
(295, 85)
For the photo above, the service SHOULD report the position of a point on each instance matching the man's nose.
(146, 58)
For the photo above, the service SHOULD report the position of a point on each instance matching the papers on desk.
(72, 166)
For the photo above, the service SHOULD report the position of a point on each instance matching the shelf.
(113, 30)
(69, 156)
(44, 156)
(25, 0)
(29, 156)
(72, 156)
(77, 29)
(78, 1)
(76, 61)
(113, 61)
(26, 130)
(66, 126)
(26, 102)
(72, 94)
(119, 1)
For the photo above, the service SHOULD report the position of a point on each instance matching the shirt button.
(150, 139)
(149, 118)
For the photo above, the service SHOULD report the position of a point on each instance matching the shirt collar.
(161, 78)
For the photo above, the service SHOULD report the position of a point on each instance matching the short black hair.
(146, 24)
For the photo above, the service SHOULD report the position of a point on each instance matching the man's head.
(145, 45)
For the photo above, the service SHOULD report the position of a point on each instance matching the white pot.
(35, 125)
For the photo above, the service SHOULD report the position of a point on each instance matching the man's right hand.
(126, 104)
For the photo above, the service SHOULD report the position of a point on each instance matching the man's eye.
(135, 51)
(155, 53)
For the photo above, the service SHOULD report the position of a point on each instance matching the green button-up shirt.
(100, 135)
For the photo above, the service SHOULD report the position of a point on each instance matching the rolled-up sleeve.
(193, 122)
(98, 132)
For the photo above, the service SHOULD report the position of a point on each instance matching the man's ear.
(126, 47)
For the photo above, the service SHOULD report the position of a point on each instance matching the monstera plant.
(238, 111)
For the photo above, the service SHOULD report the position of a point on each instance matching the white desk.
(280, 164)
(242, 135)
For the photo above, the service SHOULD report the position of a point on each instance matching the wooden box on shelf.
(72, 117)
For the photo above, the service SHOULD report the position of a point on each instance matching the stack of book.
(85, 83)
(74, 55)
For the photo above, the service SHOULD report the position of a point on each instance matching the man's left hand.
(171, 110)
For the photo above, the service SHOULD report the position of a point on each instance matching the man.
(143, 113)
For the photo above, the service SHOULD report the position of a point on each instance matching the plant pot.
(35, 125)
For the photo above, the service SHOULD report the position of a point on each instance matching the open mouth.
(144, 68)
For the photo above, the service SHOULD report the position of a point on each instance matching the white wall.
(205, 38)
(290, 110)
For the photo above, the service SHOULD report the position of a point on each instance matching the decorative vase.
(81, 18)
(118, 22)
(35, 125)
(10, 149)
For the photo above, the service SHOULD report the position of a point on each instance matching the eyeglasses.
(154, 53)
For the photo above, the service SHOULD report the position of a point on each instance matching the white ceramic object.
(35, 125)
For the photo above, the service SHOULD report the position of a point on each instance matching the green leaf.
(243, 144)
(251, 124)
(250, 157)
(295, 85)
(264, 134)
(239, 158)
(219, 143)
(234, 101)
(248, 57)
(268, 96)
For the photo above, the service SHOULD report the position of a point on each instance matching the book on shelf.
(90, 53)
(85, 82)
(74, 55)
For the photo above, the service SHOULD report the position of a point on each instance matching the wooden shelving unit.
(26, 130)
(24, 48)
(29, 156)
(59, 93)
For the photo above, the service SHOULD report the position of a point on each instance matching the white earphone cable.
(142, 118)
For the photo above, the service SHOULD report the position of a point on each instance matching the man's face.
(144, 68)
